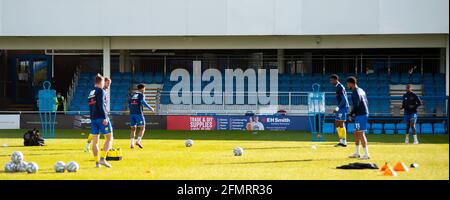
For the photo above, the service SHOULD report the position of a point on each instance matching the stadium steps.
(151, 95)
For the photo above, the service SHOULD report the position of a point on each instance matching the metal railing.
(295, 103)
(72, 87)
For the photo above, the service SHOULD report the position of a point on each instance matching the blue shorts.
(341, 115)
(137, 120)
(411, 118)
(361, 122)
(97, 127)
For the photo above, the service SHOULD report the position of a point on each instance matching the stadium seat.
(158, 78)
(328, 128)
(439, 128)
(426, 128)
(401, 128)
(350, 127)
(389, 128)
(395, 78)
(377, 128)
(138, 78)
(416, 78)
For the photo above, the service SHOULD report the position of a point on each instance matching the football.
(72, 166)
(238, 151)
(32, 168)
(188, 143)
(9, 167)
(17, 157)
(22, 166)
(60, 167)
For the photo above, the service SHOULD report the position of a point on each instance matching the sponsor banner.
(253, 123)
(191, 123)
(262, 122)
(9, 121)
(30, 121)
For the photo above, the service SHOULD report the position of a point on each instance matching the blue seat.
(328, 128)
(389, 128)
(404, 79)
(296, 89)
(439, 128)
(284, 84)
(138, 78)
(395, 78)
(377, 128)
(296, 78)
(416, 78)
(351, 127)
(426, 128)
(284, 89)
(148, 78)
(158, 79)
(401, 128)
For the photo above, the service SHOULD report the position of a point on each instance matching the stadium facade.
(386, 43)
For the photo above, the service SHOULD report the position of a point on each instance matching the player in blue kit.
(360, 111)
(106, 88)
(137, 119)
(100, 123)
(340, 110)
(410, 104)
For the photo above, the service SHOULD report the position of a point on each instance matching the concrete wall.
(221, 17)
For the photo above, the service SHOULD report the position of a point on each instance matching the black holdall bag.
(33, 138)
(358, 166)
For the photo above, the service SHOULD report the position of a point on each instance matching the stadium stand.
(383, 91)
(119, 90)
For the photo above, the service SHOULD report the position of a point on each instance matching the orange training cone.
(384, 167)
(401, 167)
(389, 172)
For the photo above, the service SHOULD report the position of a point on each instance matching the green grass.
(268, 155)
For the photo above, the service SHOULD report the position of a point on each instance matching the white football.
(60, 167)
(9, 167)
(72, 166)
(16, 167)
(32, 168)
(22, 166)
(238, 151)
(188, 143)
(17, 157)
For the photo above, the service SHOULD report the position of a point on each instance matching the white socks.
(366, 151)
(138, 140)
(416, 141)
(357, 150)
(343, 141)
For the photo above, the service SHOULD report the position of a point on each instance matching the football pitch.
(267, 155)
